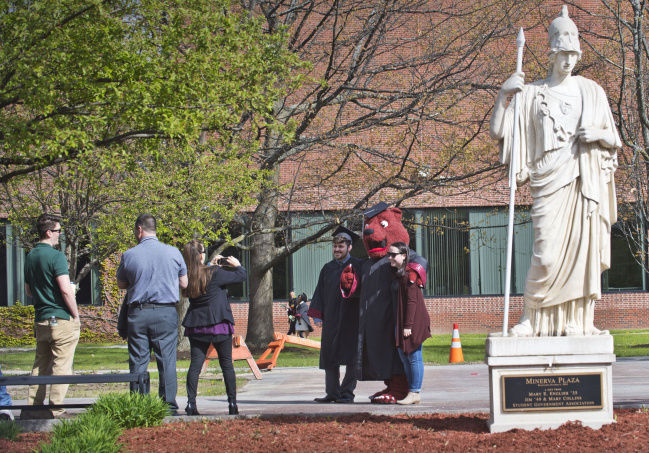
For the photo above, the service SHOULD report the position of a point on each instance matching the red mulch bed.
(371, 433)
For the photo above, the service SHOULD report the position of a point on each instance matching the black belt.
(150, 305)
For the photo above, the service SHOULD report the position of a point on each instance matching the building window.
(466, 249)
(307, 261)
(12, 280)
(488, 250)
(89, 287)
(626, 272)
(442, 237)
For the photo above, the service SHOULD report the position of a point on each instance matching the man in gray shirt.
(152, 273)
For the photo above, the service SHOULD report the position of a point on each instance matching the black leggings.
(223, 346)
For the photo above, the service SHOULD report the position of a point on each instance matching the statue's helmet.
(563, 34)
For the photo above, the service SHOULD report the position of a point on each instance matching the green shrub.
(98, 429)
(9, 429)
(131, 410)
(17, 325)
(88, 433)
(89, 441)
(69, 428)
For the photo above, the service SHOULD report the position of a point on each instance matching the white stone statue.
(568, 152)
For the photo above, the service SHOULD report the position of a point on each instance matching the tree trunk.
(181, 308)
(262, 252)
(260, 314)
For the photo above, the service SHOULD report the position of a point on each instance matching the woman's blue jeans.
(5, 399)
(413, 364)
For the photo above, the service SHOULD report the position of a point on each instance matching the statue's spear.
(520, 44)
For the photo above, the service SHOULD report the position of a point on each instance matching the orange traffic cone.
(456, 347)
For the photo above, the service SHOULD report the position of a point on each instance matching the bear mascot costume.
(377, 358)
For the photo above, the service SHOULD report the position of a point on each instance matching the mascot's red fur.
(383, 227)
(382, 230)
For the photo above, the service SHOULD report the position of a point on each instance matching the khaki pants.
(55, 347)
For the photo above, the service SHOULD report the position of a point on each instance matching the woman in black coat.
(302, 325)
(209, 318)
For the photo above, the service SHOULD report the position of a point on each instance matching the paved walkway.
(446, 389)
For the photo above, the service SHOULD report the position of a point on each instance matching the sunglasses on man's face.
(56, 231)
(393, 254)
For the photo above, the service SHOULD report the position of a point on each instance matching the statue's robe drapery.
(573, 207)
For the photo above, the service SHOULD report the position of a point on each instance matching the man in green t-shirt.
(56, 323)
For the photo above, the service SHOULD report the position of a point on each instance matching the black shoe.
(191, 409)
(325, 399)
(233, 409)
(345, 400)
(173, 408)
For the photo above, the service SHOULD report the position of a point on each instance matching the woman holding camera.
(209, 318)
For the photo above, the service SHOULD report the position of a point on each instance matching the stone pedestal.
(544, 382)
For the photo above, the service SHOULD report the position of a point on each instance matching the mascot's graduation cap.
(346, 233)
(376, 209)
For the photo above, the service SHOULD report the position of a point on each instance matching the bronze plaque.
(549, 392)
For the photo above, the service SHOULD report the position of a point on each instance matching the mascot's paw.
(384, 399)
(398, 385)
(347, 279)
(414, 278)
(416, 274)
(379, 393)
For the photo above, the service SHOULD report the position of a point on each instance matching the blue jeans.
(413, 365)
(5, 399)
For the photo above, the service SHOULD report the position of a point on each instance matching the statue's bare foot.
(595, 331)
(522, 329)
(572, 330)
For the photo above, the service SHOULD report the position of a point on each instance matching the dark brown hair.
(45, 223)
(339, 239)
(147, 222)
(405, 250)
(198, 274)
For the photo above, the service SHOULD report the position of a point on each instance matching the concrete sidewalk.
(446, 389)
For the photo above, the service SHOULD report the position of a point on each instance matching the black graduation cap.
(346, 233)
(376, 209)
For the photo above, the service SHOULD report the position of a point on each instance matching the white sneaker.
(411, 398)
(6, 415)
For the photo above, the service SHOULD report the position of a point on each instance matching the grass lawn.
(631, 343)
(436, 350)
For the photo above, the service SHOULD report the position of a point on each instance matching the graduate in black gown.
(339, 320)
